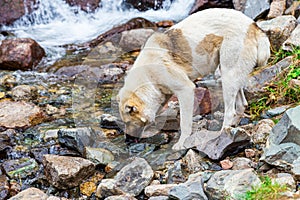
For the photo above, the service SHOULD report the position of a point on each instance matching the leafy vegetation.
(283, 90)
(267, 190)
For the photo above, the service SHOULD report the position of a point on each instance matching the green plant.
(266, 190)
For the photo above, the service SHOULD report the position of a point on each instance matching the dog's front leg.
(186, 103)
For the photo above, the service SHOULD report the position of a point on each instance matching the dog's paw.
(178, 146)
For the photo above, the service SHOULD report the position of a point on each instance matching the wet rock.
(288, 128)
(278, 29)
(158, 190)
(241, 163)
(143, 5)
(192, 189)
(282, 155)
(30, 193)
(114, 34)
(231, 183)
(77, 138)
(10, 11)
(23, 92)
(261, 131)
(20, 53)
(88, 6)
(216, 144)
(110, 73)
(20, 168)
(263, 76)
(204, 4)
(66, 172)
(252, 8)
(19, 114)
(121, 197)
(293, 40)
(277, 8)
(98, 155)
(133, 40)
(4, 187)
(131, 179)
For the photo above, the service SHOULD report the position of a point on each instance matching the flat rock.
(99, 155)
(20, 53)
(231, 183)
(19, 114)
(66, 172)
(30, 194)
(158, 190)
(278, 29)
(20, 168)
(288, 128)
(215, 143)
(192, 189)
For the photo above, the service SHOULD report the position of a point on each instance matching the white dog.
(170, 61)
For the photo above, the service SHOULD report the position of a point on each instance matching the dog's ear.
(131, 109)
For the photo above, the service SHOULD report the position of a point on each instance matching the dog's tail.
(263, 49)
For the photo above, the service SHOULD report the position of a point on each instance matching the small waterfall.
(56, 23)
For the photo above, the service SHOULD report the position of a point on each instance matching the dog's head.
(132, 111)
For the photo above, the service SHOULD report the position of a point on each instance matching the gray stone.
(215, 144)
(121, 197)
(194, 162)
(175, 173)
(252, 8)
(296, 169)
(262, 76)
(30, 194)
(231, 183)
(285, 179)
(131, 179)
(294, 40)
(240, 163)
(99, 155)
(158, 190)
(282, 155)
(288, 128)
(192, 189)
(66, 172)
(20, 168)
(135, 176)
(276, 111)
(278, 29)
(159, 198)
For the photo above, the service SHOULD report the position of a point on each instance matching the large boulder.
(20, 53)
(11, 10)
(19, 114)
(85, 5)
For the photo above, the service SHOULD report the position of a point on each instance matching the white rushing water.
(55, 23)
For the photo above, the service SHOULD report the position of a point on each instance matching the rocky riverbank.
(61, 137)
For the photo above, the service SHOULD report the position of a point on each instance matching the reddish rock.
(204, 4)
(20, 53)
(11, 10)
(19, 114)
(226, 164)
(85, 5)
(115, 32)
